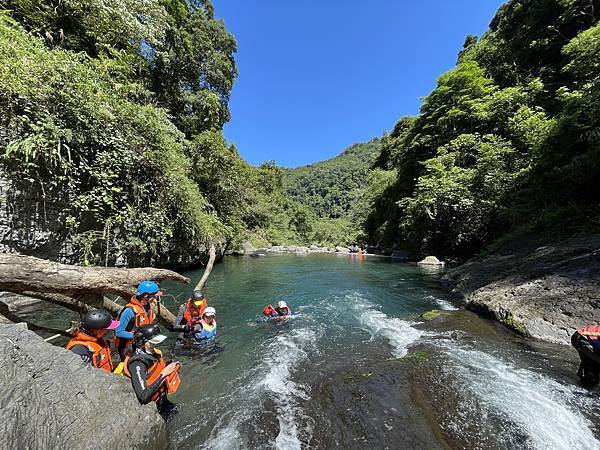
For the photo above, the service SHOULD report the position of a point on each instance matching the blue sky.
(318, 75)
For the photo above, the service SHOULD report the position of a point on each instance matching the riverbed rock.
(248, 248)
(314, 247)
(431, 261)
(50, 399)
(340, 249)
(541, 289)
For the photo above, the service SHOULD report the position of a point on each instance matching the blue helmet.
(148, 287)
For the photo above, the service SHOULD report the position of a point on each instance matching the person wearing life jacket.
(586, 341)
(138, 312)
(206, 329)
(190, 314)
(283, 309)
(152, 378)
(88, 342)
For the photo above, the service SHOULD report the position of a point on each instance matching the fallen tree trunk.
(19, 273)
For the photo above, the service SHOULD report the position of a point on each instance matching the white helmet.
(210, 311)
(282, 304)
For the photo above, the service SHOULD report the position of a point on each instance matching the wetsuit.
(83, 352)
(586, 341)
(182, 322)
(144, 370)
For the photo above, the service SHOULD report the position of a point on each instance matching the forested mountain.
(329, 187)
(111, 144)
(509, 141)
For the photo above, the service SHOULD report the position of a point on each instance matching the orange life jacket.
(592, 332)
(99, 348)
(141, 318)
(171, 383)
(190, 319)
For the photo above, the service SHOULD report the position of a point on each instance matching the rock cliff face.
(29, 225)
(538, 289)
(50, 399)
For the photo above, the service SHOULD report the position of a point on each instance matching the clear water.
(252, 388)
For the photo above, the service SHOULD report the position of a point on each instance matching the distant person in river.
(152, 378)
(206, 328)
(138, 312)
(190, 314)
(586, 341)
(282, 310)
(88, 342)
(353, 248)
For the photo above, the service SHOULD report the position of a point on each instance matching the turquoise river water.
(258, 386)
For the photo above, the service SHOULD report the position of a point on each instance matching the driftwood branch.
(209, 266)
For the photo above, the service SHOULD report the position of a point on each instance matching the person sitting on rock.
(138, 312)
(206, 329)
(88, 342)
(151, 377)
(586, 341)
(190, 314)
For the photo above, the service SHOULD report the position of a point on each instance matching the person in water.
(88, 342)
(190, 314)
(138, 312)
(206, 328)
(152, 378)
(586, 341)
(282, 310)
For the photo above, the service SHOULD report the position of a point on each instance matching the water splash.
(537, 411)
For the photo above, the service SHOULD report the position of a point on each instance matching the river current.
(260, 384)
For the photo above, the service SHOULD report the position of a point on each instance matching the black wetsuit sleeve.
(83, 352)
(180, 321)
(139, 373)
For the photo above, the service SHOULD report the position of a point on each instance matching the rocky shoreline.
(538, 289)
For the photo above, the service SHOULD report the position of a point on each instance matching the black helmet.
(198, 295)
(99, 318)
(150, 333)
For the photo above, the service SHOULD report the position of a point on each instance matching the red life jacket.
(592, 332)
(142, 317)
(190, 319)
(99, 348)
(171, 383)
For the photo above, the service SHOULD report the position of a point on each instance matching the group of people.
(137, 335)
(355, 248)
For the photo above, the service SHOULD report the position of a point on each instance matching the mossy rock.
(415, 356)
(431, 315)
(515, 325)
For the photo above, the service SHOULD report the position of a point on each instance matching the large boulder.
(431, 261)
(340, 249)
(248, 248)
(50, 399)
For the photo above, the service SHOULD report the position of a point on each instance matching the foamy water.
(544, 411)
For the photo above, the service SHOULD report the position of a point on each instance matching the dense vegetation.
(330, 187)
(508, 142)
(111, 120)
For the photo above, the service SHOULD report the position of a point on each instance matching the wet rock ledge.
(539, 289)
(50, 399)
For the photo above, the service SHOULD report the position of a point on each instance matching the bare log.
(209, 266)
(19, 273)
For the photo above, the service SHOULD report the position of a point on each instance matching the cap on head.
(148, 287)
(210, 311)
(151, 333)
(282, 304)
(99, 319)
